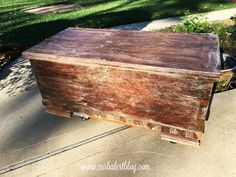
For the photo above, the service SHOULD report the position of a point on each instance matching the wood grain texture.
(168, 52)
(159, 81)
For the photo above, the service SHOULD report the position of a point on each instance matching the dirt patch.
(9, 52)
(53, 9)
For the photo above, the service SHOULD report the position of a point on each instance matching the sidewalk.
(26, 130)
(163, 23)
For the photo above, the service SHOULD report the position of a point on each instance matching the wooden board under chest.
(160, 81)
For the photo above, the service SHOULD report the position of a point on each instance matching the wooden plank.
(177, 101)
(166, 52)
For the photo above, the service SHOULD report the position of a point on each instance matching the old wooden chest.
(160, 81)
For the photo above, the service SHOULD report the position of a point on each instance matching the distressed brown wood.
(159, 81)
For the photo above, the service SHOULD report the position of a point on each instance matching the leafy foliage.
(193, 24)
(199, 24)
(227, 37)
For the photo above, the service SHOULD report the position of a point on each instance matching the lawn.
(28, 29)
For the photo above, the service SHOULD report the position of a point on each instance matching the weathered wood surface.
(173, 52)
(158, 81)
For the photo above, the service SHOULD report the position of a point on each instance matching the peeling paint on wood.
(159, 81)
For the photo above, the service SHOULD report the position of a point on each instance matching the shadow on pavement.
(17, 77)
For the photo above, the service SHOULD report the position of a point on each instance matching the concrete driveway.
(34, 143)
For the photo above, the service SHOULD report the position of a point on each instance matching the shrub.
(193, 24)
(227, 38)
(199, 24)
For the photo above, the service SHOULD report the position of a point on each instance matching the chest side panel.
(166, 98)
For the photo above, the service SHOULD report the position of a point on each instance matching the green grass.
(29, 29)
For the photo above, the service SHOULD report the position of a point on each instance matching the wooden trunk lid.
(178, 53)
